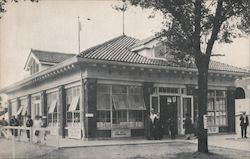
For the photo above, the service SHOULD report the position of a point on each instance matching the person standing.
(188, 126)
(149, 125)
(37, 127)
(29, 123)
(14, 122)
(158, 128)
(243, 124)
(152, 124)
(171, 128)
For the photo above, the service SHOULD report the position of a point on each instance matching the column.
(29, 105)
(90, 87)
(61, 110)
(44, 103)
(147, 90)
(81, 104)
(230, 104)
(9, 111)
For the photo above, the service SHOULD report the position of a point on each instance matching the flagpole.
(79, 47)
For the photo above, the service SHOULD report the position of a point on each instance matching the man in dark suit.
(243, 124)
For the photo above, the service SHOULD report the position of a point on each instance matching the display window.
(72, 106)
(52, 103)
(216, 108)
(120, 105)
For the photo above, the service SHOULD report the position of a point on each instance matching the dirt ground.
(171, 150)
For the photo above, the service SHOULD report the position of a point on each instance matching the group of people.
(155, 127)
(36, 124)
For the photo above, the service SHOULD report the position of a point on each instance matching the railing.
(9, 131)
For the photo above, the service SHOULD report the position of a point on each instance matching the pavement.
(230, 141)
(220, 144)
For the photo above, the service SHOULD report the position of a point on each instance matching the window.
(24, 105)
(72, 106)
(103, 106)
(216, 108)
(35, 107)
(13, 107)
(124, 102)
(52, 104)
(34, 68)
(168, 90)
(160, 51)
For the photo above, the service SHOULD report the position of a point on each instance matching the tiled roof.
(51, 57)
(118, 49)
(144, 41)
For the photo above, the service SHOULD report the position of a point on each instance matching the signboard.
(54, 131)
(212, 129)
(121, 133)
(89, 115)
(242, 105)
(205, 121)
(74, 133)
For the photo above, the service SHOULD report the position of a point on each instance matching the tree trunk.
(202, 104)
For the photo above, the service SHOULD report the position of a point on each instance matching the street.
(180, 148)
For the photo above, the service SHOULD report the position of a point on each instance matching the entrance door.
(168, 105)
(187, 108)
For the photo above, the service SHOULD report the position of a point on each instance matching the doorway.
(168, 110)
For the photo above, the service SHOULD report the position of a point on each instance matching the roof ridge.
(228, 65)
(104, 43)
(54, 52)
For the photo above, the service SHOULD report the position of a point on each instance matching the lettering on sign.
(89, 115)
(53, 131)
(121, 133)
(205, 121)
(213, 129)
(74, 133)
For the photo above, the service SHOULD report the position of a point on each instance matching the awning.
(5, 116)
(52, 106)
(103, 102)
(19, 111)
(24, 109)
(73, 104)
(120, 102)
(136, 102)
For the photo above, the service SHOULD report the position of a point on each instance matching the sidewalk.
(221, 140)
(230, 141)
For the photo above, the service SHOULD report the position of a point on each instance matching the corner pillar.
(90, 90)
(61, 110)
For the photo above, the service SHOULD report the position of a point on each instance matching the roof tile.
(118, 49)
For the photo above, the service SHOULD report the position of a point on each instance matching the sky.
(52, 25)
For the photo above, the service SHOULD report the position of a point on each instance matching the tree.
(3, 3)
(192, 27)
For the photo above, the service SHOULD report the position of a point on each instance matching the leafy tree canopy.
(192, 26)
(4, 2)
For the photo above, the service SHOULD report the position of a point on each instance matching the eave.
(42, 75)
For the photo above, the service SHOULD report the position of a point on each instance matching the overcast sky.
(52, 25)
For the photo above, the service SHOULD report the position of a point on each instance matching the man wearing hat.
(243, 124)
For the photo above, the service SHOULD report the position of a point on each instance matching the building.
(242, 102)
(109, 89)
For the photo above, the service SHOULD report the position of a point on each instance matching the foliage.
(192, 27)
(197, 24)
(4, 2)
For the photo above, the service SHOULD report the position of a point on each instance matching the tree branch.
(216, 28)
